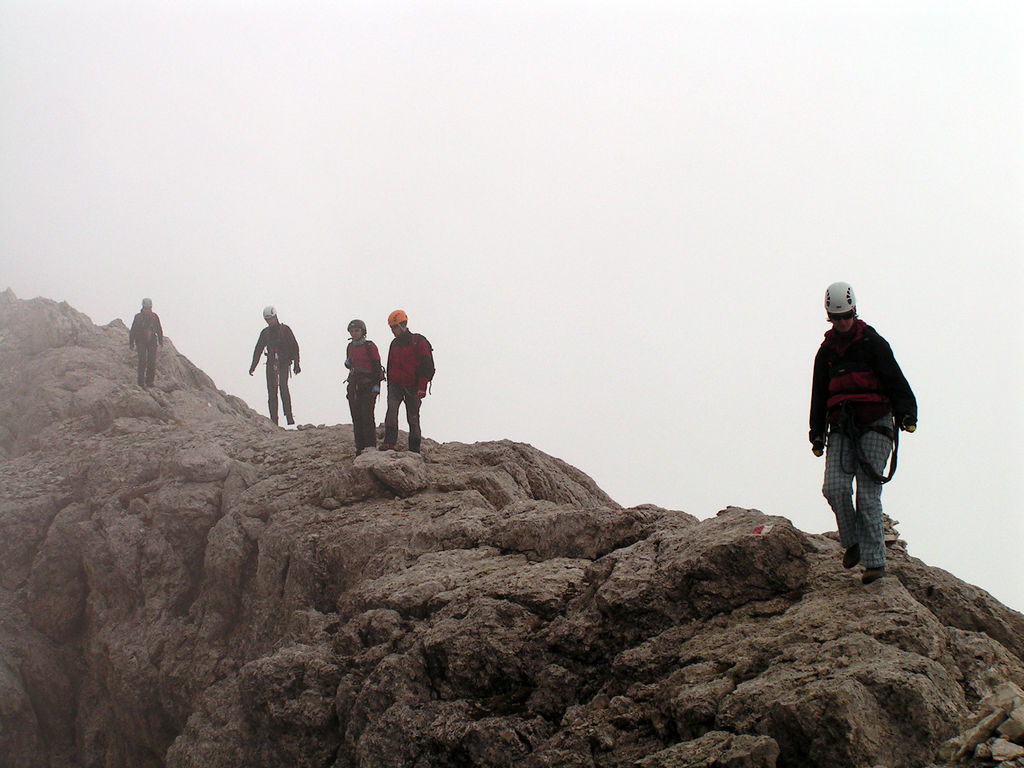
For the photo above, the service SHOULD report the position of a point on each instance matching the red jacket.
(365, 360)
(410, 361)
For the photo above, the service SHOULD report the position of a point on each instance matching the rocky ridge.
(184, 584)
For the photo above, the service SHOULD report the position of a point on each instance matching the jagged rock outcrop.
(183, 584)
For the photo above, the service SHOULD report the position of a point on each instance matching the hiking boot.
(872, 574)
(851, 556)
(289, 419)
(388, 447)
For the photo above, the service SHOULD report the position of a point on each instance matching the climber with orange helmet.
(410, 369)
(858, 389)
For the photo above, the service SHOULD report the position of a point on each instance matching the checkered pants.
(859, 523)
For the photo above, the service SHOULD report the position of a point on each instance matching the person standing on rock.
(365, 374)
(145, 334)
(410, 369)
(282, 353)
(858, 389)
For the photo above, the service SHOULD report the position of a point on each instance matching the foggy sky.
(614, 221)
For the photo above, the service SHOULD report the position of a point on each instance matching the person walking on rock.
(145, 334)
(364, 377)
(410, 368)
(858, 389)
(282, 353)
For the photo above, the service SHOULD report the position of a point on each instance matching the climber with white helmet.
(858, 390)
(282, 353)
(146, 333)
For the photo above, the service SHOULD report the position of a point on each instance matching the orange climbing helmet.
(396, 317)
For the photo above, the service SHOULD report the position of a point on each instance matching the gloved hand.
(348, 362)
(375, 389)
(909, 423)
(251, 370)
(296, 369)
(818, 446)
(421, 393)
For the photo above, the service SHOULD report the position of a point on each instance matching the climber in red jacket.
(364, 376)
(410, 369)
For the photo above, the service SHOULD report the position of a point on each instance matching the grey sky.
(614, 221)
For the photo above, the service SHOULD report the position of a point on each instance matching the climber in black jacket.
(858, 390)
(282, 353)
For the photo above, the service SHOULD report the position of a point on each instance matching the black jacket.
(146, 329)
(277, 340)
(858, 368)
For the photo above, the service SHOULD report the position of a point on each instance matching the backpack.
(146, 330)
(425, 369)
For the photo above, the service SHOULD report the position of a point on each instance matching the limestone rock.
(1007, 696)
(183, 584)
(1001, 711)
(1002, 750)
(404, 473)
(1013, 727)
(716, 749)
(204, 463)
(980, 733)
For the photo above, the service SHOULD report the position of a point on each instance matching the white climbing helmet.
(269, 311)
(840, 299)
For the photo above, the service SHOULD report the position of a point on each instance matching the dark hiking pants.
(277, 378)
(361, 401)
(396, 396)
(147, 363)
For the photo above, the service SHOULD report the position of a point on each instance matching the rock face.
(183, 584)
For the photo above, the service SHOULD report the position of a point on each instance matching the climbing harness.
(849, 427)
